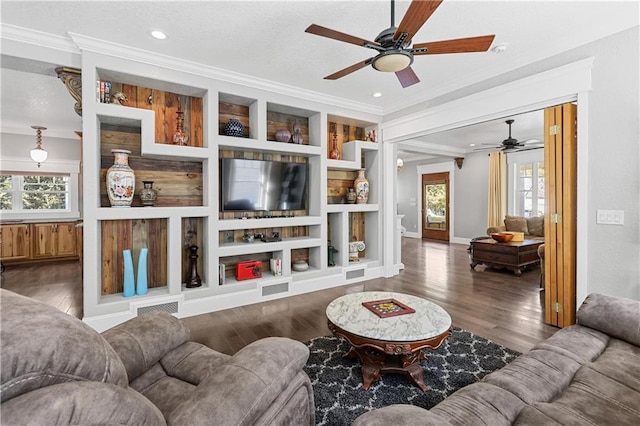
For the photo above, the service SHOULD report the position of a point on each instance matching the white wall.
(614, 158)
(407, 191)
(471, 197)
(18, 146)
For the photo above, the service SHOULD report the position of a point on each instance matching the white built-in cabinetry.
(164, 226)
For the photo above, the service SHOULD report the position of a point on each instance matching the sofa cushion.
(606, 391)
(579, 343)
(538, 375)
(535, 225)
(81, 403)
(143, 340)
(43, 346)
(607, 314)
(480, 403)
(516, 224)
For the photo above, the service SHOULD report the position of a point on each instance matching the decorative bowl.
(502, 237)
(300, 265)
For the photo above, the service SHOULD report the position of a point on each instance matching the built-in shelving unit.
(187, 179)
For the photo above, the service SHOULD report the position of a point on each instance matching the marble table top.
(348, 313)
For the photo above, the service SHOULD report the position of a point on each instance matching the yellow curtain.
(497, 189)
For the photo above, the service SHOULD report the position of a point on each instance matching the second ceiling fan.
(395, 52)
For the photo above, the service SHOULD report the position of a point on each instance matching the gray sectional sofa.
(585, 374)
(56, 370)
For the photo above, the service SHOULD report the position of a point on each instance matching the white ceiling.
(266, 40)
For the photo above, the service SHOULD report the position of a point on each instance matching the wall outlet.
(610, 217)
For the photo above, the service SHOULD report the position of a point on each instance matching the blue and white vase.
(141, 285)
(234, 128)
(128, 288)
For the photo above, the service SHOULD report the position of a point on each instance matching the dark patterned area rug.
(463, 358)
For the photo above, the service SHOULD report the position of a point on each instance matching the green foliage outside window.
(6, 191)
(38, 192)
(437, 198)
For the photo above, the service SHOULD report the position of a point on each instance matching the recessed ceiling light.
(377, 95)
(472, 144)
(158, 34)
(499, 48)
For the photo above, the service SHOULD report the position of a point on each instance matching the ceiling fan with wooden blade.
(512, 144)
(395, 53)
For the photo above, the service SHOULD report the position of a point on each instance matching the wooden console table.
(512, 255)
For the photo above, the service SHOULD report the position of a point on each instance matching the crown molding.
(430, 148)
(91, 44)
(37, 38)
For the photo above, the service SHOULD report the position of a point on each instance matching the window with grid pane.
(34, 192)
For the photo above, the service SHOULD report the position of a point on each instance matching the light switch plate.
(610, 217)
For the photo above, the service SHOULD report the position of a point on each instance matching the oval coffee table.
(390, 344)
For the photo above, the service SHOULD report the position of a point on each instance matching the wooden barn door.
(560, 142)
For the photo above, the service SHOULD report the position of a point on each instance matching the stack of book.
(104, 91)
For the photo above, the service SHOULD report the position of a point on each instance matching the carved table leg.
(411, 365)
(373, 361)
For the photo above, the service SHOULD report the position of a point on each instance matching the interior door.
(560, 161)
(435, 206)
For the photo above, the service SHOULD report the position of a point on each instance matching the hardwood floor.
(493, 304)
(58, 284)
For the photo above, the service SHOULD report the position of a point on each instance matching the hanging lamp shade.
(38, 154)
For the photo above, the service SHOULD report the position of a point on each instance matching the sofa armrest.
(616, 316)
(399, 414)
(143, 340)
(239, 391)
(81, 403)
(495, 229)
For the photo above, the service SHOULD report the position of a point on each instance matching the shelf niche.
(166, 105)
(230, 263)
(133, 234)
(235, 236)
(284, 117)
(193, 234)
(233, 106)
(178, 183)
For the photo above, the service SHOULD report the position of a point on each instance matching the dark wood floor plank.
(490, 303)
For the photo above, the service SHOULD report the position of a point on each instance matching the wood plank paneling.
(278, 120)
(178, 183)
(119, 235)
(166, 105)
(192, 234)
(343, 133)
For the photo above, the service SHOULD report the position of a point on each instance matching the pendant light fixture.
(38, 154)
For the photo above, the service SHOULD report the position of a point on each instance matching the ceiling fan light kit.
(395, 53)
(392, 61)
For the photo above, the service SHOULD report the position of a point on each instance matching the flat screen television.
(259, 185)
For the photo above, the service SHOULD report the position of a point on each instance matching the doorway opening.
(435, 206)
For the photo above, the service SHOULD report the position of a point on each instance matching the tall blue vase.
(141, 286)
(129, 282)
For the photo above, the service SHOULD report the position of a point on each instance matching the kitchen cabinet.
(15, 242)
(54, 240)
